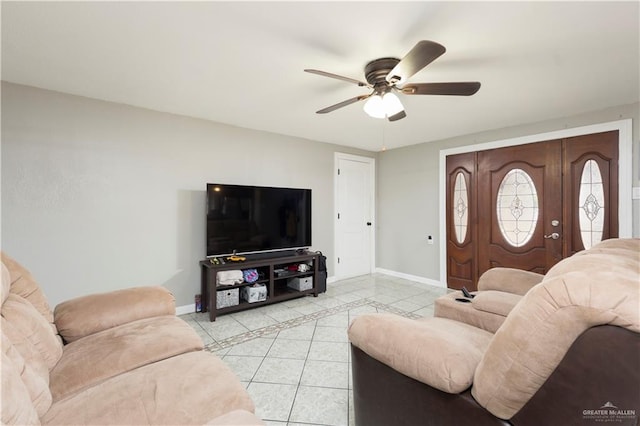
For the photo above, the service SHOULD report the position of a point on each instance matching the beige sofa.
(115, 358)
(568, 352)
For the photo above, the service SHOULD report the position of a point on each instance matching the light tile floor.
(294, 356)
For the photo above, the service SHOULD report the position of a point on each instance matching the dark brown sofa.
(567, 354)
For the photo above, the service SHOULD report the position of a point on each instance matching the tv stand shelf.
(276, 284)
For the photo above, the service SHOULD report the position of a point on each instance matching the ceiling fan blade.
(343, 104)
(398, 116)
(419, 57)
(338, 77)
(466, 88)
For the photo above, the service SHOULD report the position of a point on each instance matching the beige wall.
(408, 190)
(98, 196)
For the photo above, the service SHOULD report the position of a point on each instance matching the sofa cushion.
(27, 349)
(237, 418)
(102, 355)
(437, 351)
(448, 307)
(495, 302)
(6, 283)
(17, 408)
(192, 388)
(31, 324)
(37, 386)
(82, 316)
(630, 244)
(24, 285)
(598, 259)
(539, 331)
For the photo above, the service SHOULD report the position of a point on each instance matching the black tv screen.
(246, 219)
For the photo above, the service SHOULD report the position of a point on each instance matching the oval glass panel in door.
(517, 207)
(591, 204)
(460, 208)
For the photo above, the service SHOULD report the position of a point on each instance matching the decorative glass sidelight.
(460, 208)
(517, 207)
(591, 204)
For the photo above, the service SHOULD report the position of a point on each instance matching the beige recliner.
(570, 347)
(499, 290)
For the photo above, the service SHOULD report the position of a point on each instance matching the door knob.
(368, 223)
(553, 236)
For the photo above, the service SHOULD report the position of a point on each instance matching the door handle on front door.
(553, 236)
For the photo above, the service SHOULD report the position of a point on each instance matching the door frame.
(372, 189)
(625, 172)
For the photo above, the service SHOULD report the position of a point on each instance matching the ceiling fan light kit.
(386, 75)
(374, 107)
(386, 106)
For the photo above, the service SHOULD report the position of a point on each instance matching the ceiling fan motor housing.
(377, 70)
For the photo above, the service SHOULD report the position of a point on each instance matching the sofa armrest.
(82, 316)
(495, 302)
(439, 352)
(509, 280)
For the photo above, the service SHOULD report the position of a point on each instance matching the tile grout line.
(261, 362)
(306, 358)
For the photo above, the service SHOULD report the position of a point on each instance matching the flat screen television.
(248, 219)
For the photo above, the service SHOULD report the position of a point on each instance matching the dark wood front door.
(529, 206)
(519, 197)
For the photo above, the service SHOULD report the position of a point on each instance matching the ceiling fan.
(388, 75)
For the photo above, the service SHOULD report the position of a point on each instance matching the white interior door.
(354, 215)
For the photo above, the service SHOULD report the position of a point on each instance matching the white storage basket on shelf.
(300, 283)
(226, 298)
(254, 293)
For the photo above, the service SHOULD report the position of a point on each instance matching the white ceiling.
(241, 63)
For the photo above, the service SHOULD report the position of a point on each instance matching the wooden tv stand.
(269, 269)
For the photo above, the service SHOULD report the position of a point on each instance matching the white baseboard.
(186, 309)
(409, 277)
